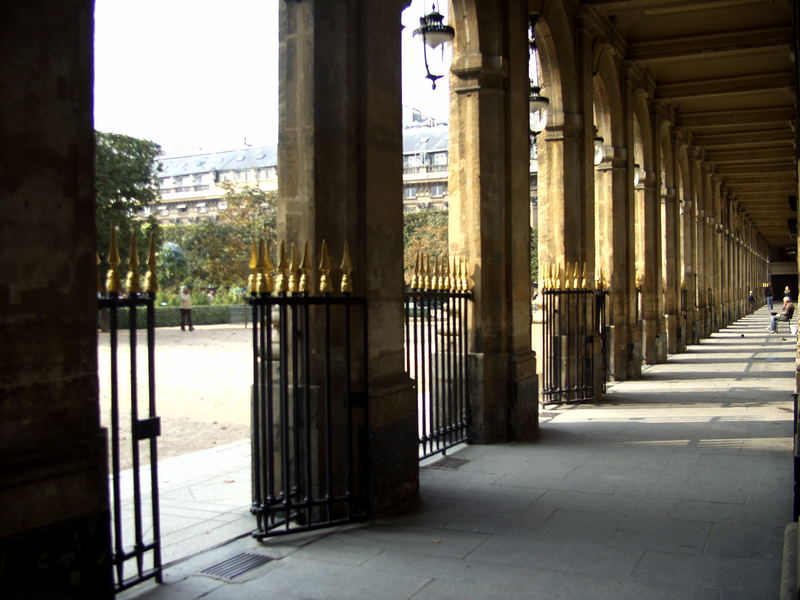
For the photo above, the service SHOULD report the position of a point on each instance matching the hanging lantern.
(436, 40)
(599, 150)
(537, 104)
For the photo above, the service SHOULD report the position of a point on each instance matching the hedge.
(170, 316)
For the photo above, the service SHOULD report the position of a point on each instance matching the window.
(410, 192)
(440, 158)
(438, 189)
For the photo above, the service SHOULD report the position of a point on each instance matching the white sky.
(202, 75)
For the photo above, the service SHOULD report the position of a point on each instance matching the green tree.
(424, 231)
(217, 252)
(126, 180)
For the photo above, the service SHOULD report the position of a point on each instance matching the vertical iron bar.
(268, 399)
(307, 404)
(256, 477)
(422, 369)
(297, 339)
(119, 549)
(284, 411)
(151, 382)
(328, 417)
(434, 407)
(465, 357)
(137, 489)
(447, 350)
(348, 408)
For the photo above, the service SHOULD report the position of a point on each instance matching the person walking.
(751, 301)
(186, 309)
(768, 294)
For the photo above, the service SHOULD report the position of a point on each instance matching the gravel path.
(203, 383)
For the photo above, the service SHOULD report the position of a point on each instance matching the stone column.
(654, 347)
(489, 219)
(671, 268)
(340, 174)
(718, 265)
(54, 530)
(614, 261)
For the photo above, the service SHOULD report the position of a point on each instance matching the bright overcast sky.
(202, 75)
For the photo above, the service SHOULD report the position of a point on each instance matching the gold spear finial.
(426, 272)
(567, 279)
(305, 269)
(445, 281)
(584, 283)
(435, 274)
(100, 289)
(253, 266)
(463, 279)
(293, 279)
(415, 279)
(324, 270)
(264, 267)
(150, 278)
(346, 285)
(113, 284)
(132, 285)
(281, 279)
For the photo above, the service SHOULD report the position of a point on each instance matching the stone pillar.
(614, 261)
(653, 344)
(670, 264)
(54, 529)
(340, 174)
(489, 218)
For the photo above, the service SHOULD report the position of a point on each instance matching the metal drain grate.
(236, 565)
(449, 463)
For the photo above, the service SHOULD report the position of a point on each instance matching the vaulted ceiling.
(727, 68)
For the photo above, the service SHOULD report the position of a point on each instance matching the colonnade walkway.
(677, 485)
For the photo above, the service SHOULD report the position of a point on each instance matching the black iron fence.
(309, 401)
(575, 347)
(436, 308)
(135, 526)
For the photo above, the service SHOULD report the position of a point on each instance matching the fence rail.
(136, 535)
(436, 311)
(575, 345)
(309, 400)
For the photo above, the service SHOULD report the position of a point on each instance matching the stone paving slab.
(676, 486)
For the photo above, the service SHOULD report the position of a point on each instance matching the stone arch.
(559, 148)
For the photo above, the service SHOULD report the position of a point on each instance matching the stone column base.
(393, 445)
(503, 392)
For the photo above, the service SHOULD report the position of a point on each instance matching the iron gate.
(309, 409)
(575, 347)
(436, 349)
(136, 535)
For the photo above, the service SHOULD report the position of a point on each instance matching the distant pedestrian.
(186, 309)
(751, 301)
(768, 294)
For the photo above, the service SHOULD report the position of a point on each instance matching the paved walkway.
(677, 486)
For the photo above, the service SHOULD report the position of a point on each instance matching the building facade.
(193, 186)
